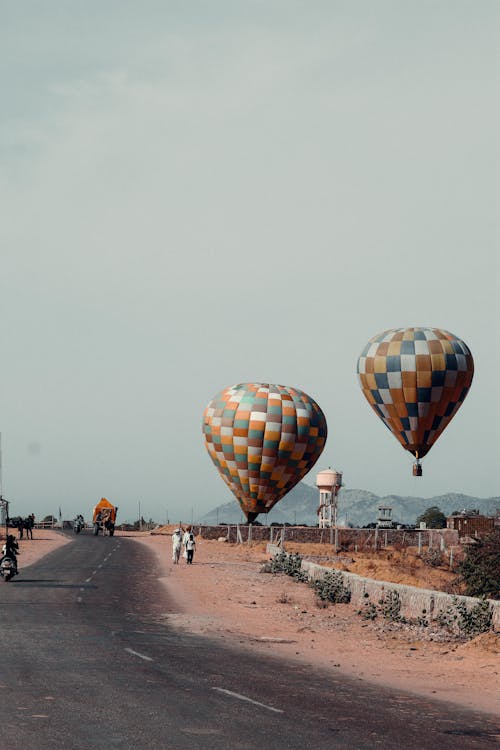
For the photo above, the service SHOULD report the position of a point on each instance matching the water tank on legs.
(328, 483)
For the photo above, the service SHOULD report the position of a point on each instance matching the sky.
(199, 194)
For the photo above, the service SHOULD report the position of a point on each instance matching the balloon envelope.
(263, 439)
(415, 380)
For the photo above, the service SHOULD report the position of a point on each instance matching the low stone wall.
(415, 602)
(348, 539)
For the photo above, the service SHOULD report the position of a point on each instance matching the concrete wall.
(413, 600)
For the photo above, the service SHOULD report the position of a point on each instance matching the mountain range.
(355, 507)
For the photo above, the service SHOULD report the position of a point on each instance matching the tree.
(481, 568)
(433, 518)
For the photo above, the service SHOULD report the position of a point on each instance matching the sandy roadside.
(224, 595)
(43, 542)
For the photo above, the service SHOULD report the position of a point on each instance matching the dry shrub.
(283, 598)
(398, 547)
(433, 557)
(455, 586)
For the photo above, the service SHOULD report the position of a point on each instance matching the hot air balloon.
(415, 380)
(263, 439)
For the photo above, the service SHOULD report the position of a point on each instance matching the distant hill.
(356, 507)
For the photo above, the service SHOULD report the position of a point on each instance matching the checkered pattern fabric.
(415, 380)
(263, 439)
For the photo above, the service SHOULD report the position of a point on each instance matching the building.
(384, 519)
(470, 523)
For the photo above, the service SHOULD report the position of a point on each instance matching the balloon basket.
(417, 469)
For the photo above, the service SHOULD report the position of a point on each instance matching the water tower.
(329, 483)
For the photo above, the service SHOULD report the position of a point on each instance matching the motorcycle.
(78, 525)
(7, 568)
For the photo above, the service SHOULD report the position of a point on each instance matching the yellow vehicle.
(104, 517)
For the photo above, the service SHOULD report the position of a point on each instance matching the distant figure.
(185, 538)
(28, 525)
(190, 547)
(176, 546)
(20, 527)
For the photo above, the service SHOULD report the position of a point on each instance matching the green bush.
(290, 565)
(475, 620)
(331, 588)
(480, 570)
(389, 607)
(458, 618)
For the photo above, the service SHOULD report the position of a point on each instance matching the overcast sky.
(195, 194)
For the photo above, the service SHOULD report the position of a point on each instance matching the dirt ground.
(225, 596)
(397, 565)
(43, 542)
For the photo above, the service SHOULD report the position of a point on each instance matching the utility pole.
(140, 517)
(4, 505)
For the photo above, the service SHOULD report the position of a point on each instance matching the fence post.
(239, 539)
(249, 537)
(419, 550)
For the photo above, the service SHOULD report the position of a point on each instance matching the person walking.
(28, 526)
(20, 527)
(176, 546)
(185, 538)
(190, 547)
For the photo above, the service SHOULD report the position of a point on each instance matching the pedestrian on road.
(176, 546)
(20, 527)
(28, 527)
(185, 538)
(190, 547)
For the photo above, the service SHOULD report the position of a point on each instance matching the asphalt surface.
(87, 663)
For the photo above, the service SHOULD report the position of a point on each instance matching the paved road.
(87, 664)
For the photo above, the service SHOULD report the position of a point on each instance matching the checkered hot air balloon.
(415, 380)
(263, 439)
